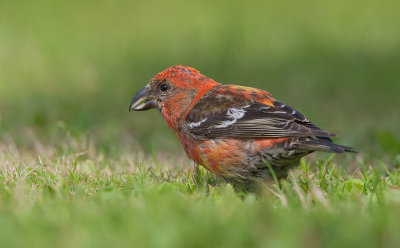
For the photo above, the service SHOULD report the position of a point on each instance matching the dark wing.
(254, 120)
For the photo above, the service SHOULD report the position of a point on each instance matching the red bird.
(232, 130)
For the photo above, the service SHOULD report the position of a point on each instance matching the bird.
(241, 134)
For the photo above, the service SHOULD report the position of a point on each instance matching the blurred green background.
(73, 66)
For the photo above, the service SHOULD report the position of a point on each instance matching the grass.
(74, 196)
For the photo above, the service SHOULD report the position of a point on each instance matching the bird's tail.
(325, 145)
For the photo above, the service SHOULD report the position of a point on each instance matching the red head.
(172, 92)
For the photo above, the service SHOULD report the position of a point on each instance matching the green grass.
(74, 196)
(77, 170)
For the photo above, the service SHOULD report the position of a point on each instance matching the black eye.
(164, 87)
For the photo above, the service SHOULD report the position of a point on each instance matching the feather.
(255, 120)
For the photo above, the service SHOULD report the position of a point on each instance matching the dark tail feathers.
(325, 145)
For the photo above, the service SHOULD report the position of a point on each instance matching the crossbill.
(231, 130)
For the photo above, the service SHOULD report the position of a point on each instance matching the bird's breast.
(226, 156)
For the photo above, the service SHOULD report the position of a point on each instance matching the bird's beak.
(142, 101)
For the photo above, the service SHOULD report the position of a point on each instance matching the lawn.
(78, 170)
(74, 196)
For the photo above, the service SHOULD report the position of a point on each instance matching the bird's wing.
(211, 118)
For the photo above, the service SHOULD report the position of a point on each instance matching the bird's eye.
(164, 87)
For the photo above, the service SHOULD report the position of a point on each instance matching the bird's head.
(172, 91)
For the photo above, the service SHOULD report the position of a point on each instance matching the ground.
(74, 196)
